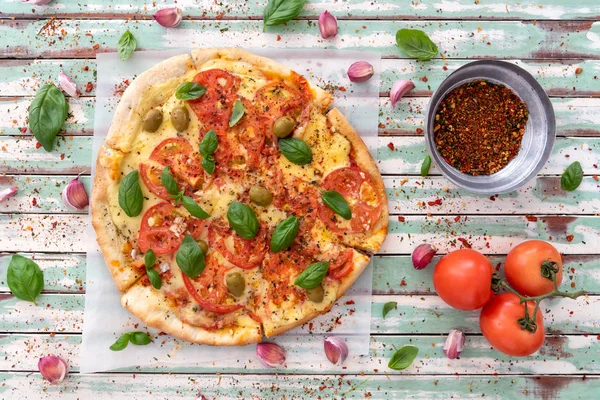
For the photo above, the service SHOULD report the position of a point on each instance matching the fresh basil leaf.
(242, 220)
(154, 278)
(572, 177)
(169, 182)
(237, 113)
(25, 279)
(209, 165)
(416, 44)
(336, 202)
(295, 150)
(149, 259)
(403, 358)
(190, 257)
(139, 338)
(425, 166)
(189, 91)
(127, 45)
(209, 144)
(193, 208)
(120, 343)
(131, 198)
(389, 306)
(47, 114)
(284, 234)
(279, 11)
(312, 276)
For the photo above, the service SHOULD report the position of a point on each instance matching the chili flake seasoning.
(479, 127)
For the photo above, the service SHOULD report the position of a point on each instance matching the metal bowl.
(538, 139)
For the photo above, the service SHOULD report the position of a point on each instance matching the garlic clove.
(336, 350)
(328, 25)
(53, 368)
(169, 17)
(67, 84)
(8, 192)
(37, 2)
(423, 255)
(454, 344)
(399, 89)
(271, 355)
(74, 195)
(360, 71)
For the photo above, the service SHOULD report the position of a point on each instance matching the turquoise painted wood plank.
(347, 9)
(456, 39)
(559, 354)
(278, 386)
(557, 77)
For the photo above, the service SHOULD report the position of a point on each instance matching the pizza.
(230, 200)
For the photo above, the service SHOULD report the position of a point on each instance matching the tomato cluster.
(465, 280)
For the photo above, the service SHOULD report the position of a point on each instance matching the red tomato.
(523, 267)
(167, 151)
(250, 133)
(179, 155)
(499, 324)
(342, 265)
(155, 232)
(463, 279)
(243, 253)
(151, 178)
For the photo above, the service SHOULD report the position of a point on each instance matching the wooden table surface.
(552, 39)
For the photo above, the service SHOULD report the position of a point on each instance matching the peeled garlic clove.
(53, 368)
(74, 195)
(168, 17)
(399, 89)
(454, 344)
(360, 71)
(336, 350)
(423, 255)
(271, 355)
(37, 2)
(8, 192)
(67, 84)
(328, 25)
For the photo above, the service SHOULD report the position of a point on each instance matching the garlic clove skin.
(37, 2)
(7, 193)
(423, 255)
(399, 89)
(328, 25)
(53, 368)
(454, 344)
(360, 71)
(271, 355)
(168, 17)
(67, 84)
(336, 350)
(74, 195)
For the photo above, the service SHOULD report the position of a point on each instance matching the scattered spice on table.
(479, 127)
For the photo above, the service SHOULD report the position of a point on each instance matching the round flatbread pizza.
(230, 201)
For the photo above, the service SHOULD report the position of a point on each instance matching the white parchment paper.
(350, 318)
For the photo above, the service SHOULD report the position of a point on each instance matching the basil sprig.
(237, 113)
(279, 11)
(242, 220)
(169, 182)
(416, 44)
(131, 198)
(25, 279)
(403, 358)
(312, 276)
(295, 150)
(208, 146)
(426, 165)
(137, 338)
(193, 208)
(127, 45)
(47, 114)
(284, 234)
(387, 307)
(189, 91)
(190, 257)
(572, 177)
(336, 202)
(153, 275)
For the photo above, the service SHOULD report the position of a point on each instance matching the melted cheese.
(252, 78)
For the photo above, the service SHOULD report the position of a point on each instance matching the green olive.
(152, 120)
(180, 118)
(260, 196)
(203, 246)
(316, 294)
(236, 283)
(283, 126)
